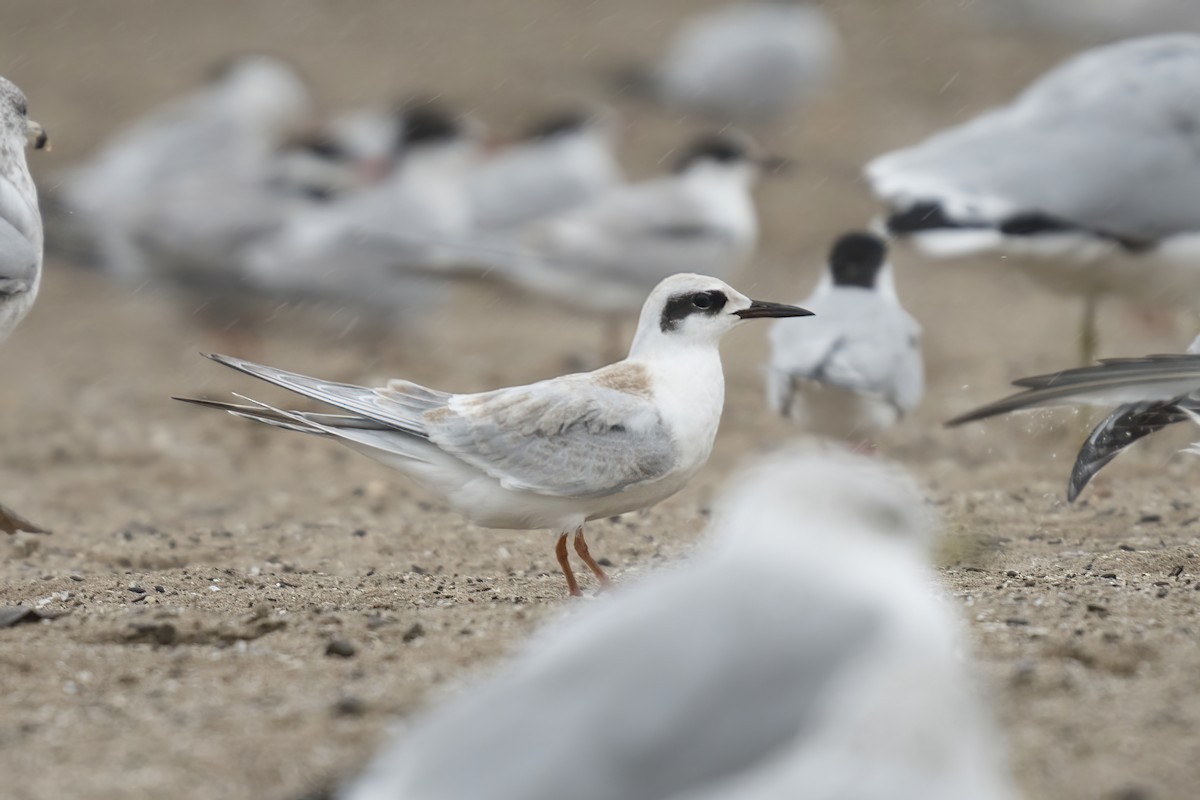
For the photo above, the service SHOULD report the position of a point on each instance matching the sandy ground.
(202, 567)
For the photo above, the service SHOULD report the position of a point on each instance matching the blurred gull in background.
(749, 64)
(1089, 181)
(20, 235)
(1152, 392)
(856, 368)
(225, 131)
(804, 652)
(558, 453)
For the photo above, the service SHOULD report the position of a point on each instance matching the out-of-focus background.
(204, 567)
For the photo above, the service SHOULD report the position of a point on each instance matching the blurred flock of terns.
(719, 679)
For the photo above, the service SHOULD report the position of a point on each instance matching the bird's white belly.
(485, 502)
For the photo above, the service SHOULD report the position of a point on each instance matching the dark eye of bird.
(22, 109)
(684, 305)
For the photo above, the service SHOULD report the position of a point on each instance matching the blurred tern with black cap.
(856, 369)
(605, 256)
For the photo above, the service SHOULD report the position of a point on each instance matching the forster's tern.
(558, 453)
(857, 367)
(749, 64)
(230, 126)
(804, 652)
(606, 255)
(379, 249)
(1151, 393)
(20, 233)
(1089, 180)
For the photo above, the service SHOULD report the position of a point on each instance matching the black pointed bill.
(761, 309)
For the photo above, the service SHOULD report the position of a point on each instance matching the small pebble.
(349, 706)
(340, 648)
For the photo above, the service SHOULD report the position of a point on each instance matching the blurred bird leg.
(1089, 339)
(582, 549)
(564, 562)
(12, 522)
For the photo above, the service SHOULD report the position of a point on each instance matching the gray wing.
(18, 260)
(679, 683)
(567, 437)
(1114, 381)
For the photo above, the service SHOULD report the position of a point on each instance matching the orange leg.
(582, 549)
(564, 562)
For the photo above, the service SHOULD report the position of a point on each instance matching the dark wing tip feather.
(1119, 430)
(1011, 403)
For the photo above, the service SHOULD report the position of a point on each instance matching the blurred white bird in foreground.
(857, 368)
(226, 131)
(379, 250)
(1089, 181)
(803, 653)
(566, 160)
(558, 453)
(605, 256)
(20, 233)
(1152, 392)
(749, 64)
(1103, 19)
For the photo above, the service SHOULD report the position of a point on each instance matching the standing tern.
(20, 233)
(1152, 392)
(856, 368)
(558, 453)
(1089, 180)
(604, 256)
(804, 652)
